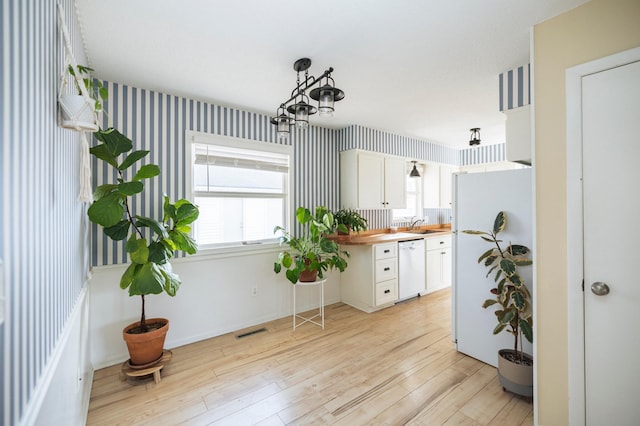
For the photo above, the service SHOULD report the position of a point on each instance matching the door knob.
(599, 289)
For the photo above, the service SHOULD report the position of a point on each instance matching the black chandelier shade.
(297, 109)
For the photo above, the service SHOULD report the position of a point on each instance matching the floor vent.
(251, 333)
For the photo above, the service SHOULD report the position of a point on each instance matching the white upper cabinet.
(437, 185)
(371, 181)
(518, 134)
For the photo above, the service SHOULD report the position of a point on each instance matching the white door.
(611, 203)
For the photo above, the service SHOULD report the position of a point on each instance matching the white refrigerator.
(477, 199)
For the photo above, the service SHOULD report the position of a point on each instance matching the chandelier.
(297, 109)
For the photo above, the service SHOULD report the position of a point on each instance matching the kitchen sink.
(424, 231)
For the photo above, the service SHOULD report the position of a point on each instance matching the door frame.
(575, 255)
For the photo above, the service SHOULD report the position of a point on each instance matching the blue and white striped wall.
(514, 87)
(157, 122)
(42, 244)
(483, 154)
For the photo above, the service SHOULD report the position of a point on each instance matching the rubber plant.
(150, 243)
(510, 295)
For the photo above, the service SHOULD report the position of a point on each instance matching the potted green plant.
(512, 299)
(310, 254)
(150, 243)
(78, 111)
(349, 220)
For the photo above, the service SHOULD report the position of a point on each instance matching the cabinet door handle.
(387, 251)
(387, 268)
(387, 291)
(441, 242)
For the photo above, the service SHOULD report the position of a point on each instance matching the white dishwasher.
(411, 268)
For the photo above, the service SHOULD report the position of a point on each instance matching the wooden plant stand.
(129, 371)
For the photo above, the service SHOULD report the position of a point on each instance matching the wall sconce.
(298, 104)
(475, 136)
(414, 172)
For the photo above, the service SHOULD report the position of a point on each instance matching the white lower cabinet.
(370, 282)
(438, 260)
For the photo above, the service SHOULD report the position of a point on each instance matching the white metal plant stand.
(320, 313)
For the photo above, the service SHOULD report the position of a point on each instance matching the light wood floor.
(393, 367)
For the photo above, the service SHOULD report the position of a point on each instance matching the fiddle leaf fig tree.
(510, 295)
(150, 243)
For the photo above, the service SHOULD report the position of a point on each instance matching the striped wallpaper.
(483, 154)
(158, 121)
(41, 221)
(514, 87)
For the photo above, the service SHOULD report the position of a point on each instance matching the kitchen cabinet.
(370, 282)
(438, 260)
(437, 185)
(372, 181)
(517, 129)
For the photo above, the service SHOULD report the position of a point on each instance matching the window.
(414, 198)
(241, 188)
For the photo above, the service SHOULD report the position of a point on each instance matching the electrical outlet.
(254, 291)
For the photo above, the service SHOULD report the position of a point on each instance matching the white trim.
(534, 221)
(575, 293)
(32, 409)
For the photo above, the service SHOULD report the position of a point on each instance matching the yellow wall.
(596, 29)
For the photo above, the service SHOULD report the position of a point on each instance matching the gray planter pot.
(514, 377)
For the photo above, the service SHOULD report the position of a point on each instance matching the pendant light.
(475, 136)
(297, 108)
(414, 172)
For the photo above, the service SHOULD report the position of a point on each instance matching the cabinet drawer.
(386, 292)
(386, 251)
(386, 269)
(434, 243)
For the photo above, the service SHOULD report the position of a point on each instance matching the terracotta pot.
(146, 348)
(514, 377)
(308, 276)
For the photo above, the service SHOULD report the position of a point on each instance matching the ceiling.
(420, 68)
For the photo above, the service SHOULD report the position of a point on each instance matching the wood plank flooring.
(393, 367)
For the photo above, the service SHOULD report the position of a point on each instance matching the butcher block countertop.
(378, 236)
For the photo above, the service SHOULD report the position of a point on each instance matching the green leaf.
(169, 209)
(138, 250)
(147, 280)
(499, 223)
(116, 142)
(104, 190)
(183, 241)
(526, 329)
(489, 260)
(485, 255)
(187, 213)
(499, 328)
(518, 250)
(132, 158)
(128, 275)
(518, 300)
(277, 267)
(522, 262)
(488, 303)
(158, 253)
(107, 211)
(508, 266)
(171, 280)
(147, 171)
(102, 152)
(489, 240)
(508, 316)
(119, 231)
(516, 280)
(472, 232)
(155, 226)
(303, 215)
(130, 188)
(293, 275)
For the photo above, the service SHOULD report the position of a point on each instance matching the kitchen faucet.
(414, 223)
